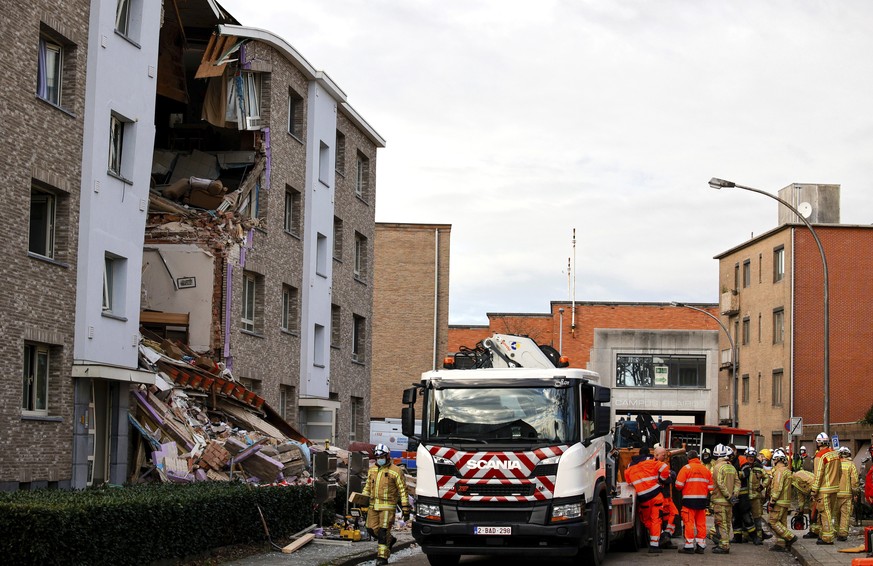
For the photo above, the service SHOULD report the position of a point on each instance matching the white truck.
(513, 458)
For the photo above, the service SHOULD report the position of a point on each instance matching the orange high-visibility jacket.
(644, 477)
(695, 482)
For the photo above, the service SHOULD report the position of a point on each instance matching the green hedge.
(143, 524)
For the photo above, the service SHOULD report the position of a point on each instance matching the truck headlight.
(566, 512)
(428, 511)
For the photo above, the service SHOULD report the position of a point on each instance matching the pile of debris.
(199, 425)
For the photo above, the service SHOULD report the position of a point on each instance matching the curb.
(366, 555)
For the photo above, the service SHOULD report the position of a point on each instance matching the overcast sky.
(518, 121)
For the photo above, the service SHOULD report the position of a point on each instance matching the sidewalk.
(808, 553)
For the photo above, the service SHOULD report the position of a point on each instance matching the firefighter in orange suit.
(668, 509)
(644, 474)
(386, 487)
(695, 482)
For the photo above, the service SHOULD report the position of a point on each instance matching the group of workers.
(737, 488)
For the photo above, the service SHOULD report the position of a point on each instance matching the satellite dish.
(805, 209)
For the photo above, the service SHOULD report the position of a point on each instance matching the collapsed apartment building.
(197, 181)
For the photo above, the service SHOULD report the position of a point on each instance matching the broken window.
(49, 71)
(244, 100)
(42, 223)
(35, 383)
(116, 145)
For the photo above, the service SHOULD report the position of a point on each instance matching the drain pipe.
(436, 292)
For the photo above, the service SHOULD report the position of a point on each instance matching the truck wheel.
(443, 559)
(595, 553)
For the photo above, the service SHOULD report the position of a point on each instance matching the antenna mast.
(573, 291)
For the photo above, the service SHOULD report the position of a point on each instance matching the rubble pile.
(199, 425)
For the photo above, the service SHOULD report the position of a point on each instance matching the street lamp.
(733, 355)
(716, 183)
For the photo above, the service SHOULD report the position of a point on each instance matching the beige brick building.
(772, 299)
(410, 309)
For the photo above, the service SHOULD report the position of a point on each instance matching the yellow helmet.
(766, 453)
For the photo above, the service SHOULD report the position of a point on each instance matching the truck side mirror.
(602, 421)
(407, 421)
(602, 394)
(409, 396)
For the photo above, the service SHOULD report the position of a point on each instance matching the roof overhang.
(114, 373)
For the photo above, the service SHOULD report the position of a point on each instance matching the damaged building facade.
(189, 178)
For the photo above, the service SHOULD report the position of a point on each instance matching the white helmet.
(728, 451)
(845, 452)
(751, 452)
(803, 449)
(381, 450)
(779, 455)
(822, 439)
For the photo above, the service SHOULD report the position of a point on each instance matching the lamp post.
(734, 353)
(716, 183)
(561, 331)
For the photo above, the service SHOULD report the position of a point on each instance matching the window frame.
(747, 273)
(778, 264)
(747, 330)
(291, 220)
(48, 230)
(290, 309)
(744, 389)
(117, 127)
(53, 96)
(340, 161)
(362, 176)
(646, 362)
(295, 115)
(335, 325)
(779, 329)
(30, 392)
(360, 265)
(126, 7)
(249, 302)
(337, 238)
(359, 337)
(776, 387)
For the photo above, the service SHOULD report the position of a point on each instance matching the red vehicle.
(698, 437)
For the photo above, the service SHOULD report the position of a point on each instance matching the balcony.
(730, 303)
(727, 358)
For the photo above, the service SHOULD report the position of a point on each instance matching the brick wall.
(44, 143)
(403, 305)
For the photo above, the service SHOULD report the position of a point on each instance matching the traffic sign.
(794, 426)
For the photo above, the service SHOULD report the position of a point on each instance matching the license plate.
(492, 530)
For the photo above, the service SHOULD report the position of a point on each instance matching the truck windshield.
(499, 415)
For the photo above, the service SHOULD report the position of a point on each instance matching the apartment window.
(293, 210)
(114, 284)
(747, 273)
(252, 302)
(335, 326)
(337, 238)
(362, 176)
(290, 314)
(243, 104)
(119, 129)
(759, 327)
(50, 71)
(633, 370)
(34, 397)
(43, 213)
(324, 164)
(321, 255)
(359, 330)
(746, 330)
(745, 389)
(340, 153)
(360, 257)
(778, 325)
(777, 388)
(295, 114)
(778, 264)
(286, 403)
(356, 416)
(318, 346)
(127, 18)
(736, 277)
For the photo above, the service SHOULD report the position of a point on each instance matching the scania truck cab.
(513, 460)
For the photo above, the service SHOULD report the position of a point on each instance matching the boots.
(665, 541)
(381, 562)
(791, 541)
(810, 534)
(757, 541)
(720, 550)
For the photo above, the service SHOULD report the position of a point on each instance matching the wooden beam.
(302, 541)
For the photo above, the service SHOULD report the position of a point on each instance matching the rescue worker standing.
(695, 482)
(849, 483)
(725, 493)
(644, 474)
(386, 487)
(780, 501)
(668, 509)
(825, 485)
(744, 527)
(759, 481)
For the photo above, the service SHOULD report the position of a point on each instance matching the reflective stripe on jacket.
(782, 486)
(386, 487)
(758, 481)
(849, 480)
(644, 476)
(695, 482)
(827, 471)
(725, 481)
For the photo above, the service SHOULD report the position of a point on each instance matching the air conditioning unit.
(254, 123)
